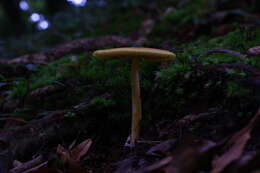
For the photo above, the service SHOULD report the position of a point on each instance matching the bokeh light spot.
(35, 17)
(80, 3)
(24, 5)
(42, 25)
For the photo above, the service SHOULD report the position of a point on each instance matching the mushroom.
(136, 54)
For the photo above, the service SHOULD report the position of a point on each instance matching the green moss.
(173, 72)
(177, 83)
(234, 89)
(235, 73)
(182, 16)
(94, 75)
(2, 78)
(106, 73)
(69, 115)
(239, 40)
(45, 75)
(101, 103)
(20, 89)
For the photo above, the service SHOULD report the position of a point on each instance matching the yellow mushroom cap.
(149, 54)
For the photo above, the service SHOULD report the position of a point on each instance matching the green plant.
(234, 89)
(101, 103)
(2, 78)
(173, 72)
(236, 73)
(20, 89)
(69, 115)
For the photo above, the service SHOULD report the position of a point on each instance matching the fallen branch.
(76, 46)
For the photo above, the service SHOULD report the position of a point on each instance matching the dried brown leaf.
(64, 153)
(74, 155)
(235, 146)
(247, 163)
(81, 149)
(161, 149)
(191, 155)
(72, 145)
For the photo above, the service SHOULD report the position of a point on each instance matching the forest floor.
(63, 110)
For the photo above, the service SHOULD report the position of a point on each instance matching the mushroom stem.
(136, 101)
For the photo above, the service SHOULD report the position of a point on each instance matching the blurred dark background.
(33, 25)
(13, 11)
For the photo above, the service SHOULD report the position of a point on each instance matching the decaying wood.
(76, 46)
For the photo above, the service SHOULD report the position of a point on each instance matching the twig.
(220, 50)
(28, 165)
(37, 167)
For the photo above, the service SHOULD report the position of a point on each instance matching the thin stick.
(232, 52)
(28, 165)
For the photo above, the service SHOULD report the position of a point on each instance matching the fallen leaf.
(74, 155)
(80, 150)
(64, 153)
(191, 155)
(72, 144)
(161, 149)
(247, 163)
(235, 146)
